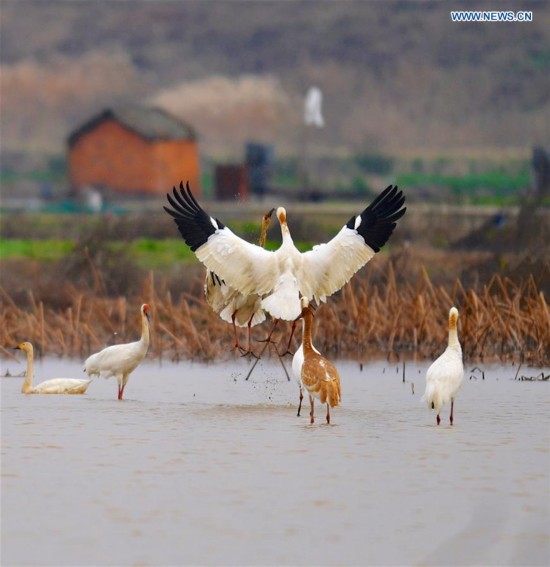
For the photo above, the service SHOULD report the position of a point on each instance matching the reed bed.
(372, 317)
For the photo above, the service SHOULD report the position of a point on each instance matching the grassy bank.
(147, 253)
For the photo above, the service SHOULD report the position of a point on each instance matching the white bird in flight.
(55, 386)
(231, 305)
(312, 112)
(121, 360)
(282, 276)
(446, 373)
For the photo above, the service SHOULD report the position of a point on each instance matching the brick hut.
(134, 150)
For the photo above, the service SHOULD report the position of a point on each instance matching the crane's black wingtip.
(378, 221)
(194, 224)
(172, 213)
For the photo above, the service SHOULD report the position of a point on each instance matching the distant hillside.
(396, 76)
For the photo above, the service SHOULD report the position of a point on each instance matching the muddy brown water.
(199, 467)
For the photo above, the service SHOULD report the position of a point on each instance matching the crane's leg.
(287, 351)
(249, 351)
(283, 365)
(328, 414)
(268, 339)
(122, 385)
(438, 419)
(252, 369)
(258, 360)
(237, 345)
(452, 408)
(300, 404)
(258, 356)
(250, 334)
(311, 403)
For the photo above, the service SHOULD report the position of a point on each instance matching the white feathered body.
(297, 363)
(281, 276)
(229, 303)
(121, 360)
(444, 378)
(446, 373)
(216, 292)
(242, 310)
(116, 360)
(61, 386)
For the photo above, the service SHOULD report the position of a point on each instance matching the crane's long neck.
(285, 233)
(27, 384)
(263, 233)
(453, 335)
(144, 332)
(306, 332)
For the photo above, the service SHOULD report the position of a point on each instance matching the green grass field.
(44, 250)
(147, 252)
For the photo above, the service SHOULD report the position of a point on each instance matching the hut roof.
(147, 122)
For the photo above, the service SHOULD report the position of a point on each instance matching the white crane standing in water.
(121, 360)
(445, 375)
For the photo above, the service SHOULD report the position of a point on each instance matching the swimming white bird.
(121, 360)
(319, 376)
(445, 375)
(298, 361)
(55, 386)
(282, 276)
(233, 306)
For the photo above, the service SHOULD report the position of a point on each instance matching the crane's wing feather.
(243, 266)
(194, 225)
(327, 267)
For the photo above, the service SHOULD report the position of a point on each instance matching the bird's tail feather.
(330, 393)
(282, 308)
(284, 302)
(430, 396)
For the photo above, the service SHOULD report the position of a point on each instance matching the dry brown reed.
(501, 321)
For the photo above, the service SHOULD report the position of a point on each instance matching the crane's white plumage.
(231, 305)
(121, 360)
(282, 276)
(281, 302)
(55, 386)
(297, 363)
(445, 375)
